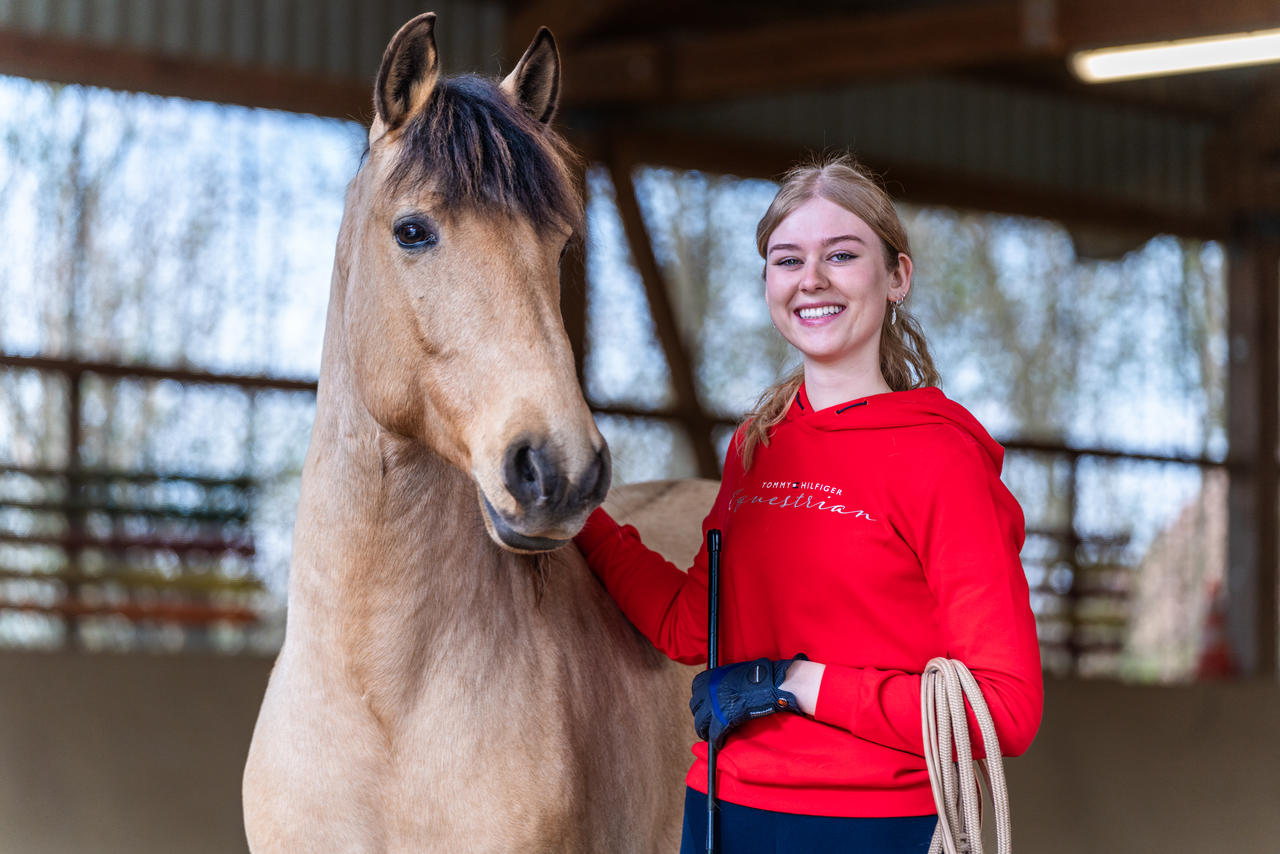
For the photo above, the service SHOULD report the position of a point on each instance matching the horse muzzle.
(551, 503)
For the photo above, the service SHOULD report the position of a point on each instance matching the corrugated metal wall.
(337, 38)
(1122, 153)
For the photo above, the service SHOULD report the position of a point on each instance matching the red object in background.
(1216, 660)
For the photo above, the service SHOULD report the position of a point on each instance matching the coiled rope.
(956, 794)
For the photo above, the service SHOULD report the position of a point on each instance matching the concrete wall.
(134, 755)
(108, 754)
(1151, 769)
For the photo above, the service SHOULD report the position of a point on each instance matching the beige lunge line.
(956, 794)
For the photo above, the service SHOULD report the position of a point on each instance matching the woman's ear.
(900, 284)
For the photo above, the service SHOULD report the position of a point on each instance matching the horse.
(452, 677)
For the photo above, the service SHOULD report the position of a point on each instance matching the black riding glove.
(727, 696)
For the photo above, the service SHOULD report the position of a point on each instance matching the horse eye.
(412, 234)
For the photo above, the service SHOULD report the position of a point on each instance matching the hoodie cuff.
(839, 694)
(599, 529)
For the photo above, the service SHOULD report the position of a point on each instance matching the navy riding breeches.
(745, 830)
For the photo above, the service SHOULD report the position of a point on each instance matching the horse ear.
(534, 83)
(410, 68)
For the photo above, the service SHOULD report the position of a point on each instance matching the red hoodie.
(871, 536)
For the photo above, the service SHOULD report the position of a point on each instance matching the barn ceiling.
(963, 101)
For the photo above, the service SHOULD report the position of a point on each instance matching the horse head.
(450, 251)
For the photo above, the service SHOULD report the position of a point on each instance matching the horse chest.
(460, 787)
(444, 776)
(524, 728)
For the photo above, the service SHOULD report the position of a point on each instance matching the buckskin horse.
(452, 677)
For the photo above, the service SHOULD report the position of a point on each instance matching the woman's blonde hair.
(904, 353)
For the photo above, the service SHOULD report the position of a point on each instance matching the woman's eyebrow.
(792, 247)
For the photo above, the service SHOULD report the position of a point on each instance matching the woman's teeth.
(819, 311)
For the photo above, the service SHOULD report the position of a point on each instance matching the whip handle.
(713, 657)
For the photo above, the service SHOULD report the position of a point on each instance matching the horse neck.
(390, 551)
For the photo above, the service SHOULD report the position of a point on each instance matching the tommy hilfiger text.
(807, 485)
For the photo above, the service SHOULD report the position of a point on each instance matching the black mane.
(481, 151)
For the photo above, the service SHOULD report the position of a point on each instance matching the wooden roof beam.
(789, 55)
(73, 61)
(1096, 23)
(568, 20)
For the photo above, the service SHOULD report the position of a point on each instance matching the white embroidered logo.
(804, 501)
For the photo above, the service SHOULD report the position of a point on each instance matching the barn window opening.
(159, 356)
(157, 376)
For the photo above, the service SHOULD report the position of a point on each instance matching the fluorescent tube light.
(1176, 57)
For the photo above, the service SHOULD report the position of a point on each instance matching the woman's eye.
(413, 234)
(843, 256)
(787, 262)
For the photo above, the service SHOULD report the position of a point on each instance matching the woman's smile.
(816, 315)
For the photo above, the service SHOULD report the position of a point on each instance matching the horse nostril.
(599, 475)
(531, 475)
(526, 468)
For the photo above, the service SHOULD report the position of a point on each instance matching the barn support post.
(573, 287)
(75, 502)
(1253, 424)
(689, 410)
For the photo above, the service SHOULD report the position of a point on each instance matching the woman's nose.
(814, 279)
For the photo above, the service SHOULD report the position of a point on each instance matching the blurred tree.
(165, 232)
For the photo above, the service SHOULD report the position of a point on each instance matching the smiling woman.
(866, 531)
(837, 271)
(1053, 350)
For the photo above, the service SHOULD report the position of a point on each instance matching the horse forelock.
(482, 152)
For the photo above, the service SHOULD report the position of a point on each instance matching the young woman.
(866, 531)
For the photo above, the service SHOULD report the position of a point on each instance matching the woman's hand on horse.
(726, 697)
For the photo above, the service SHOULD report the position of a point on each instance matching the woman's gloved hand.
(726, 697)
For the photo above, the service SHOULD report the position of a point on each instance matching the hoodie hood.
(910, 408)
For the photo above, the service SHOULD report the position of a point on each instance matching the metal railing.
(84, 544)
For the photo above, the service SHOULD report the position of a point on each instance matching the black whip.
(713, 625)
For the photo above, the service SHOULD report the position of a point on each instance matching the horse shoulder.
(289, 788)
